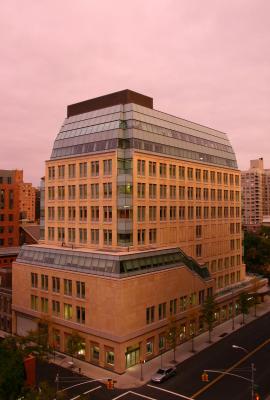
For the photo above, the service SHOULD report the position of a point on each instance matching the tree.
(11, 369)
(208, 312)
(37, 341)
(43, 392)
(172, 335)
(243, 304)
(75, 343)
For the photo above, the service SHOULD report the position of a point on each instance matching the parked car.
(163, 374)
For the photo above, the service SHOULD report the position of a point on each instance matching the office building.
(27, 202)
(142, 223)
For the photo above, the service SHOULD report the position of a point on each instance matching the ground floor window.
(162, 342)
(182, 334)
(110, 357)
(150, 346)
(95, 351)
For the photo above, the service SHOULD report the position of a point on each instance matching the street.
(187, 383)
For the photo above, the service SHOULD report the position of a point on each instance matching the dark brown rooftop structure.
(123, 97)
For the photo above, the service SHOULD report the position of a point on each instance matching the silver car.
(163, 373)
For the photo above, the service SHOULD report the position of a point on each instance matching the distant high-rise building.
(27, 202)
(255, 195)
(9, 207)
(142, 223)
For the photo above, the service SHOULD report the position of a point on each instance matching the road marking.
(92, 390)
(136, 394)
(169, 391)
(218, 378)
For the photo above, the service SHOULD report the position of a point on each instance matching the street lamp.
(253, 369)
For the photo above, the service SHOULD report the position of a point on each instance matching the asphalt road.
(255, 337)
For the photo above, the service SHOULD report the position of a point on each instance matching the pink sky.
(206, 61)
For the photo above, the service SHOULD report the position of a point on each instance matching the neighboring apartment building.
(27, 202)
(5, 299)
(9, 207)
(142, 223)
(255, 184)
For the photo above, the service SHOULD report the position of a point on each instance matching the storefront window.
(150, 346)
(110, 357)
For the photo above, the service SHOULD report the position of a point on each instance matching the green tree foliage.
(11, 369)
(257, 251)
(208, 312)
(75, 343)
(172, 335)
(243, 304)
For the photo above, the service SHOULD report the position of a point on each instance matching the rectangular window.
(71, 235)
(172, 171)
(51, 192)
(163, 191)
(141, 190)
(141, 167)
(225, 179)
(80, 315)
(181, 212)
(198, 175)
(152, 168)
(44, 304)
(61, 213)
(162, 170)
(198, 193)
(83, 213)
(205, 194)
(107, 190)
(190, 212)
(55, 284)
(56, 307)
(181, 192)
(107, 237)
(198, 212)
(94, 236)
(68, 287)
(161, 311)
(198, 231)
(107, 213)
(72, 170)
(141, 213)
(172, 192)
(51, 173)
(107, 167)
(163, 213)
(61, 171)
(219, 177)
(152, 236)
(150, 314)
(71, 192)
(198, 250)
(190, 193)
(152, 213)
(213, 194)
(95, 213)
(205, 212)
(181, 171)
(51, 214)
(80, 289)
(190, 173)
(94, 191)
(94, 168)
(183, 303)
(61, 192)
(34, 280)
(141, 236)
(44, 282)
(71, 213)
(172, 213)
(83, 191)
(152, 191)
(83, 169)
(173, 306)
(109, 356)
(67, 311)
(212, 176)
(50, 233)
(34, 302)
(205, 175)
(83, 235)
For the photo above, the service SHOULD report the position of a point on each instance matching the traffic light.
(110, 383)
(256, 396)
(205, 377)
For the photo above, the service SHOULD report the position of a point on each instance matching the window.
(95, 213)
(172, 192)
(213, 212)
(95, 352)
(83, 191)
(231, 195)
(190, 173)
(34, 280)
(205, 194)
(94, 168)
(141, 190)
(226, 195)
(67, 311)
(56, 307)
(190, 193)
(152, 191)
(141, 213)
(50, 213)
(162, 311)
(198, 175)
(61, 171)
(68, 287)
(107, 190)
(205, 212)
(162, 341)
(83, 235)
(141, 236)
(219, 194)
(94, 236)
(72, 170)
(181, 171)
(71, 192)
(183, 303)
(198, 250)
(152, 168)
(95, 191)
(51, 192)
(107, 167)
(107, 213)
(213, 194)
(198, 193)
(182, 212)
(141, 167)
(212, 176)
(83, 169)
(61, 192)
(150, 315)
(109, 355)
(162, 170)
(51, 173)
(55, 284)
(44, 282)
(163, 213)
(172, 213)
(198, 212)
(190, 212)
(172, 171)
(80, 289)
(34, 302)
(71, 213)
(205, 175)
(198, 231)
(71, 234)
(150, 346)
(173, 306)
(181, 192)
(152, 236)
(163, 191)
(10, 199)
(80, 315)
(225, 179)
(44, 304)
(61, 213)
(83, 213)
(50, 233)
(152, 213)
(107, 237)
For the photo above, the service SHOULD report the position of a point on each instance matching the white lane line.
(169, 391)
(121, 395)
(76, 397)
(92, 390)
(142, 395)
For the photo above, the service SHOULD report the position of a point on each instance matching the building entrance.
(132, 356)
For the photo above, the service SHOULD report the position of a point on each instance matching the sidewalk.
(132, 377)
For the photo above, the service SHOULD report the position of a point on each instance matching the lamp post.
(142, 362)
(253, 369)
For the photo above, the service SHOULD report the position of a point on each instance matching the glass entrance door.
(132, 357)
